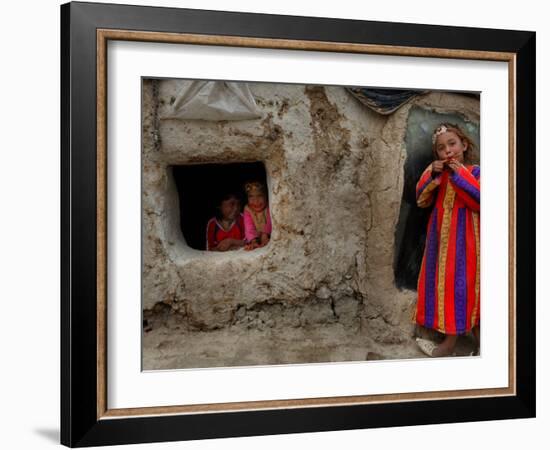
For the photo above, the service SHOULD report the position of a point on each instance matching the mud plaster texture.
(323, 289)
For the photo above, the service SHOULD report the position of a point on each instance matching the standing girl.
(257, 220)
(448, 284)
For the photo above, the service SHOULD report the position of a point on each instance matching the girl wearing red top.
(225, 231)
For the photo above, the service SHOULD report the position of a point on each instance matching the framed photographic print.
(275, 224)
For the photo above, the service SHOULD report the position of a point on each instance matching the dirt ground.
(167, 344)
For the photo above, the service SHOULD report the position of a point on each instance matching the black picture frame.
(81, 423)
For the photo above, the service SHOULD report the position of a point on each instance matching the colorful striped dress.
(448, 284)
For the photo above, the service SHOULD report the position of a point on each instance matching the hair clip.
(439, 130)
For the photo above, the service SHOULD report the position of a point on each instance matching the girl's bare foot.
(445, 348)
(475, 331)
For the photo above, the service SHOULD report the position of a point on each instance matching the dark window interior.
(200, 188)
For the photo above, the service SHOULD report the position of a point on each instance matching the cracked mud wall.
(335, 179)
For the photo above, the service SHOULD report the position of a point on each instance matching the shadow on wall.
(200, 188)
(410, 233)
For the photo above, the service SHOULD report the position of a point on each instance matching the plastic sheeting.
(384, 101)
(214, 100)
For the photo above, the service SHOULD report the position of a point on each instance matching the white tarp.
(214, 100)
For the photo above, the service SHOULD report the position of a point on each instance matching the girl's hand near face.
(454, 165)
(438, 166)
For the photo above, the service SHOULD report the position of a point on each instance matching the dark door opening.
(200, 189)
(410, 233)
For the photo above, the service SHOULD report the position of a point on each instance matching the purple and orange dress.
(448, 284)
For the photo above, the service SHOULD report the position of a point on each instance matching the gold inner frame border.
(103, 36)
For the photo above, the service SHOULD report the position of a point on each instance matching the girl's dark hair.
(468, 154)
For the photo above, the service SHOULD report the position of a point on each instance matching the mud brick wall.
(335, 174)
